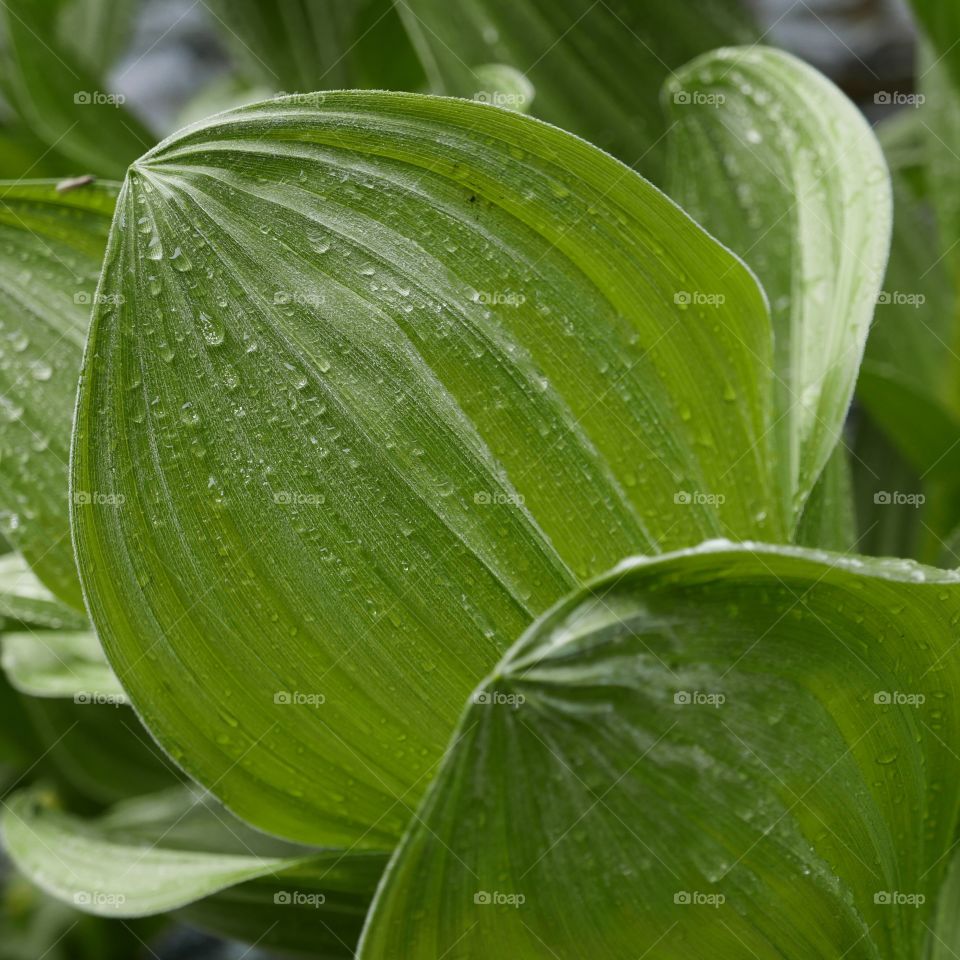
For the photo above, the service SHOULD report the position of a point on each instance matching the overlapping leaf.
(24, 598)
(374, 384)
(307, 46)
(60, 663)
(171, 850)
(51, 248)
(726, 752)
(777, 163)
(596, 67)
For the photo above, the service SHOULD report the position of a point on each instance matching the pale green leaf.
(724, 753)
(60, 663)
(51, 248)
(171, 850)
(775, 161)
(375, 384)
(596, 67)
(23, 597)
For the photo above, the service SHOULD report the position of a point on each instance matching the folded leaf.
(168, 851)
(376, 383)
(775, 161)
(51, 248)
(596, 67)
(60, 663)
(726, 752)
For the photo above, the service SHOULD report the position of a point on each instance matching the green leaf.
(60, 99)
(60, 663)
(726, 752)
(51, 248)
(596, 67)
(305, 45)
(772, 158)
(97, 749)
(376, 384)
(23, 597)
(829, 519)
(168, 851)
(941, 23)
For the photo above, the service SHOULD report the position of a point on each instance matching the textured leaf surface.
(774, 160)
(375, 385)
(167, 851)
(710, 755)
(60, 663)
(596, 67)
(51, 248)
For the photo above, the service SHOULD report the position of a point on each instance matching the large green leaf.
(596, 67)
(51, 248)
(168, 851)
(311, 45)
(724, 753)
(774, 160)
(377, 383)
